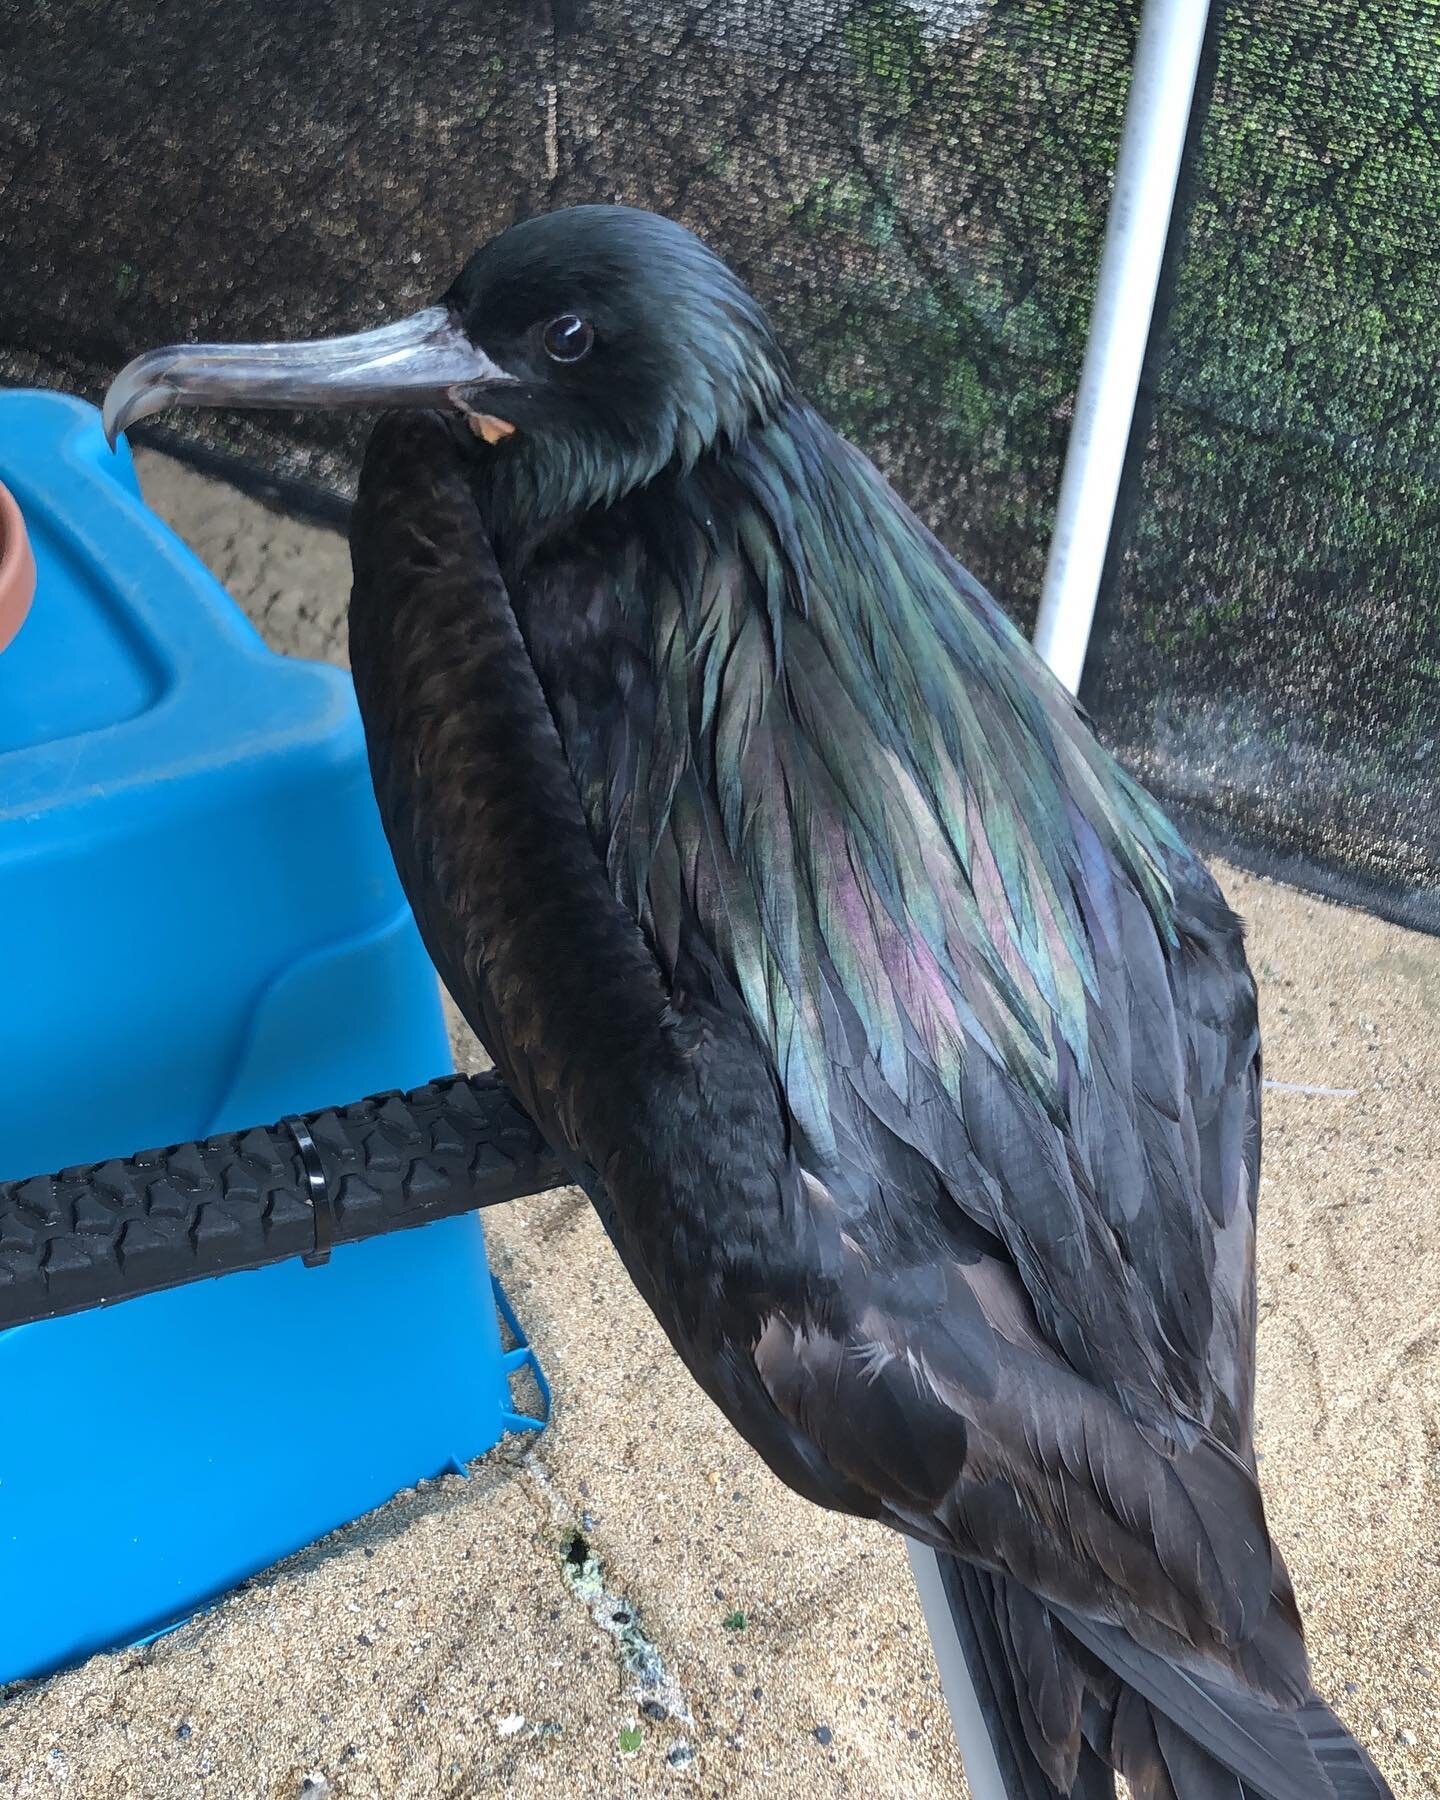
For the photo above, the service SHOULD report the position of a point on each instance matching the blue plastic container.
(200, 929)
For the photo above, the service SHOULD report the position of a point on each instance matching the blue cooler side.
(203, 930)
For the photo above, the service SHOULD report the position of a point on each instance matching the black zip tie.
(317, 1184)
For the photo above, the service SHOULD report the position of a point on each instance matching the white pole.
(1162, 88)
(972, 1734)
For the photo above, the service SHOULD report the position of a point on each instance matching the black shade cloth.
(919, 194)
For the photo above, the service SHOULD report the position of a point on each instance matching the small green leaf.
(735, 1621)
(631, 1738)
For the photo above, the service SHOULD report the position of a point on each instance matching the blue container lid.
(107, 685)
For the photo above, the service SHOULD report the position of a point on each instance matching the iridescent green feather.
(872, 790)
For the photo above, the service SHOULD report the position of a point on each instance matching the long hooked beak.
(425, 360)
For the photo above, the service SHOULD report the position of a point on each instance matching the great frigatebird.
(908, 1054)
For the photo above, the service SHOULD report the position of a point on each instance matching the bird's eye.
(568, 338)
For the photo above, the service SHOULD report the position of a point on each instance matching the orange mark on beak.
(487, 426)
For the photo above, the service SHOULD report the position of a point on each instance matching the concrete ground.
(631, 1604)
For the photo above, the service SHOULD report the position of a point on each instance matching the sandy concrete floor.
(567, 1621)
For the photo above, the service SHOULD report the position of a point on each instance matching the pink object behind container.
(17, 568)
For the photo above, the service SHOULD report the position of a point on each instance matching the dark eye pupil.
(568, 338)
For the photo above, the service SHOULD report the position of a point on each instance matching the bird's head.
(588, 349)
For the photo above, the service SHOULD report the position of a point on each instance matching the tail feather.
(1054, 1703)
(1182, 1768)
(1347, 1765)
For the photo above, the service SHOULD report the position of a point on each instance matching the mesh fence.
(1268, 653)
(918, 192)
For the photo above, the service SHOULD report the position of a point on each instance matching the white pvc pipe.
(972, 1734)
(1162, 88)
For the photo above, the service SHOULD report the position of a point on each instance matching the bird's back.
(829, 778)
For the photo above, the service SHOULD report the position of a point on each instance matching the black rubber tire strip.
(113, 1230)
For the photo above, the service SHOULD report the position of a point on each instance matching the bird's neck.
(671, 1104)
(475, 791)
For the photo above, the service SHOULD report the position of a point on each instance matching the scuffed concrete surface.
(445, 1645)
